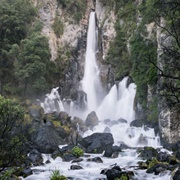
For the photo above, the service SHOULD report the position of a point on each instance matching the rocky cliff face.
(168, 116)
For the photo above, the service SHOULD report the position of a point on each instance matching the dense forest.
(146, 48)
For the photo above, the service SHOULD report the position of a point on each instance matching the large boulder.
(112, 151)
(46, 139)
(91, 120)
(137, 123)
(35, 157)
(116, 173)
(97, 142)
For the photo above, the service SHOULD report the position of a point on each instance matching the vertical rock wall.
(169, 117)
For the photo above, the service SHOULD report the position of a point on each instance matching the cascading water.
(116, 108)
(91, 83)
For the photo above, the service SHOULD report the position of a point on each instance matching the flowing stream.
(116, 106)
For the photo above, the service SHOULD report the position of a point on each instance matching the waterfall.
(116, 106)
(91, 83)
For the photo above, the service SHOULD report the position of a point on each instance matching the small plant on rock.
(77, 151)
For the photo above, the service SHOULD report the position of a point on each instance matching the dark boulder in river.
(97, 142)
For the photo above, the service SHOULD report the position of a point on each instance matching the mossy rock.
(153, 162)
(147, 153)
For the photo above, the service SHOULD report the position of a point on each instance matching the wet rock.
(107, 130)
(115, 154)
(108, 152)
(48, 162)
(56, 154)
(46, 138)
(113, 174)
(137, 123)
(112, 151)
(116, 173)
(35, 157)
(157, 168)
(26, 172)
(121, 120)
(110, 122)
(97, 142)
(95, 159)
(123, 145)
(77, 160)
(162, 156)
(171, 160)
(91, 120)
(66, 149)
(147, 153)
(68, 157)
(177, 147)
(176, 175)
(62, 133)
(75, 167)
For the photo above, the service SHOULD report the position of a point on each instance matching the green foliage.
(12, 133)
(143, 72)
(33, 64)
(56, 176)
(62, 61)
(153, 111)
(7, 174)
(15, 19)
(76, 151)
(119, 55)
(58, 26)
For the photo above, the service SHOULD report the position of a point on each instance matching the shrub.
(58, 27)
(76, 151)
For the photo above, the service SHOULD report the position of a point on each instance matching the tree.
(32, 64)
(12, 133)
(15, 19)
